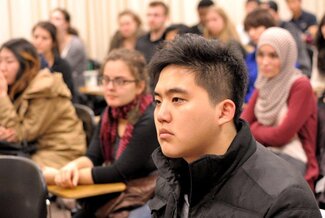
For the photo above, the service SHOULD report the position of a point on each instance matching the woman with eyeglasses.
(125, 137)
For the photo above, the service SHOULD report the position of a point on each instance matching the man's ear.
(225, 111)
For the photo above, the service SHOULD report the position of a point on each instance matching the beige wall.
(96, 19)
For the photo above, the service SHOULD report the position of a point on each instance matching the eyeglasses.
(116, 82)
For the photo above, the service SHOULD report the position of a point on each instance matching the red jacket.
(301, 118)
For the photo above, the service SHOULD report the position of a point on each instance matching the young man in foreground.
(209, 163)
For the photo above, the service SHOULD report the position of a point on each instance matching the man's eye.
(177, 100)
(157, 101)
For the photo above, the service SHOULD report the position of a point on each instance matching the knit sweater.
(301, 119)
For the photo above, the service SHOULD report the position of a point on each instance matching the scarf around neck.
(108, 131)
(273, 92)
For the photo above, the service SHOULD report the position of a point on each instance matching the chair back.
(87, 116)
(23, 190)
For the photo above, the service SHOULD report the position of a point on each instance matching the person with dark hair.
(303, 60)
(209, 163)
(305, 21)
(282, 111)
(255, 24)
(36, 107)
(121, 148)
(45, 41)
(202, 8)
(318, 75)
(129, 31)
(70, 45)
(175, 29)
(157, 16)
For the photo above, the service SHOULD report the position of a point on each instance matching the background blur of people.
(157, 16)
(303, 61)
(129, 30)
(175, 29)
(44, 39)
(70, 45)
(202, 8)
(304, 20)
(318, 75)
(220, 27)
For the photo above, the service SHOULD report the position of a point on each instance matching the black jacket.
(247, 181)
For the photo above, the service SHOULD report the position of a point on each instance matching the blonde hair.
(228, 32)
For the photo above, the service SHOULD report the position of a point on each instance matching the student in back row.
(209, 163)
(36, 107)
(70, 45)
(45, 41)
(157, 16)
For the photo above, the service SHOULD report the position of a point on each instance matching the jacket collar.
(198, 178)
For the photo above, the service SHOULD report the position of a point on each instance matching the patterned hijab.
(274, 92)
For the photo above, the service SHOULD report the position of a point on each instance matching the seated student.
(125, 137)
(255, 23)
(129, 31)
(303, 60)
(219, 26)
(70, 45)
(209, 163)
(36, 107)
(282, 112)
(202, 8)
(46, 43)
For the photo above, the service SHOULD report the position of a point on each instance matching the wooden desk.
(92, 90)
(83, 191)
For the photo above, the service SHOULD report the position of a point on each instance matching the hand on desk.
(68, 176)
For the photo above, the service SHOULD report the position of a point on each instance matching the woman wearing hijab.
(282, 111)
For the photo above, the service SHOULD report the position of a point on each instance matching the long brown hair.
(51, 29)
(29, 64)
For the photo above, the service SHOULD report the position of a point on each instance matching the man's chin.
(168, 153)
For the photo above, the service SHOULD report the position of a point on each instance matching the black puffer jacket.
(248, 181)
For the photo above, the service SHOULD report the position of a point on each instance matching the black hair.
(273, 5)
(320, 45)
(29, 64)
(205, 4)
(319, 39)
(220, 71)
(181, 29)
